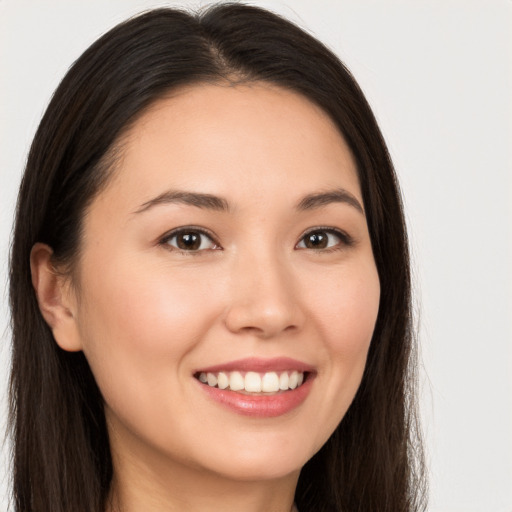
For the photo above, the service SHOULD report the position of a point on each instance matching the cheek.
(346, 309)
(137, 319)
(345, 312)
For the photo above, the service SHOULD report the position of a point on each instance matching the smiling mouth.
(253, 382)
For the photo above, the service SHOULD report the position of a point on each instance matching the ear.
(56, 298)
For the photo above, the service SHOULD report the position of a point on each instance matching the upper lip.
(256, 364)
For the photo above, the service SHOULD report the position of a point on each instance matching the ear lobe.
(56, 300)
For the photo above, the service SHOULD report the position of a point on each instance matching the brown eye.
(190, 240)
(316, 240)
(322, 239)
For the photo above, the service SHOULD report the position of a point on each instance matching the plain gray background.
(438, 74)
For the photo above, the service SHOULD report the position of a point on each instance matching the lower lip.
(260, 406)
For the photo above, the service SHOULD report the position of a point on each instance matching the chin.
(256, 463)
(261, 470)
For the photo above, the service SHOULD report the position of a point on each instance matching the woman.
(209, 281)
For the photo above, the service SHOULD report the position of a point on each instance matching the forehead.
(224, 139)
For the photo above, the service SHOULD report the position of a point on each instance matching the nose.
(264, 300)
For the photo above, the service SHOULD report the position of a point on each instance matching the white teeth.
(283, 381)
(253, 382)
(270, 382)
(222, 380)
(212, 379)
(236, 381)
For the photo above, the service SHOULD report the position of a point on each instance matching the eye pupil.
(188, 241)
(316, 240)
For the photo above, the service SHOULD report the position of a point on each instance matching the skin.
(147, 315)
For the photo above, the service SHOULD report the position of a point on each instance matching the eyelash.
(188, 230)
(345, 240)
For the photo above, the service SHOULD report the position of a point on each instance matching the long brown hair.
(61, 458)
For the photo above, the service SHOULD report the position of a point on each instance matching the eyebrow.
(212, 202)
(206, 201)
(340, 195)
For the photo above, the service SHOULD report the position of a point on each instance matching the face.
(228, 291)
